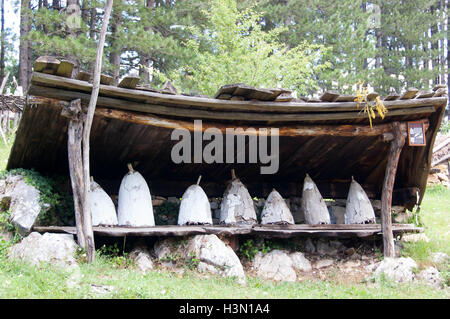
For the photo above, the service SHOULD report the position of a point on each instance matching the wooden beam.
(388, 187)
(75, 134)
(275, 231)
(197, 113)
(70, 85)
(295, 130)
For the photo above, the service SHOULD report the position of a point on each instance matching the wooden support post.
(388, 186)
(75, 135)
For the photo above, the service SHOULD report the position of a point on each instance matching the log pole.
(75, 135)
(87, 224)
(388, 186)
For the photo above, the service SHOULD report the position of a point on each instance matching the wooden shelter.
(328, 138)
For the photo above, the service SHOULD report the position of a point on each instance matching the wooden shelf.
(275, 231)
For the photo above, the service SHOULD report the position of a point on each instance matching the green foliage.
(56, 205)
(191, 262)
(390, 53)
(239, 51)
(166, 212)
(250, 248)
(112, 254)
(445, 128)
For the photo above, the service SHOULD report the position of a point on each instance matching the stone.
(212, 254)
(276, 211)
(142, 258)
(57, 249)
(399, 270)
(309, 246)
(336, 244)
(358, 210)
(300, 262)
(350, 251)
(324, 248)
(22, 200)
(157, 202)
(351, 264)
(276, 265)
(414, 238)
(431, 276)
(313, 205)
(440, 258)
(323, 263)
(173, 200)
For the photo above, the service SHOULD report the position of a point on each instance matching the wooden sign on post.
(416, 133)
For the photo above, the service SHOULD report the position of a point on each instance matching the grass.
(122, 280)
(18, 280)
(5, 149)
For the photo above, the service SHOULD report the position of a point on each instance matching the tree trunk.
(25, 47)
(87, 226)
(448, 54)
(75, 135)
(388, 186)
(114, 57)
(2, 43)
(145, 58)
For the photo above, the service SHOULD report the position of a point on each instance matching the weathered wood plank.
(392, 97)
(439, 86)
(439, 92)
(424, 94)
(65, 69)
(106, 79)
(372, 96)
(284, 231)
(284, 97)
(46, 64)
(329, 96)
(388, 187)
(84, 76)
(345, 98)
(129, 82)
(409, 94)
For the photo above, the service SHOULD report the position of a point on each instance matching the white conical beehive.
(276, 211)
(135, 201)
(358, 210)
(237, 204)
(314, 207)
(195, 208)
(103, 211)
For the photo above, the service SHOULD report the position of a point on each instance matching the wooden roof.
(330, 139)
